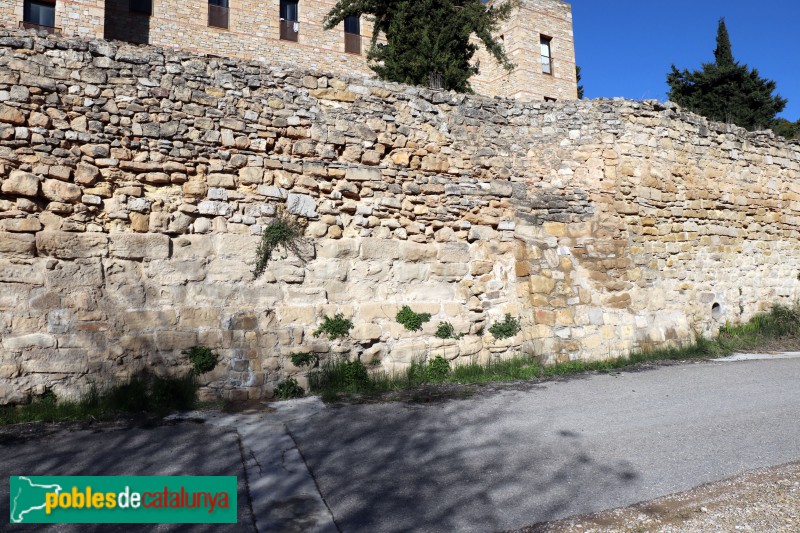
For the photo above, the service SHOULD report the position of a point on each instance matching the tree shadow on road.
(170, 450)
(450, 466)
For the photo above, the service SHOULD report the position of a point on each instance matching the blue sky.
(625, 47)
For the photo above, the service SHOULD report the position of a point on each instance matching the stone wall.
(253, 33)
(135, 181)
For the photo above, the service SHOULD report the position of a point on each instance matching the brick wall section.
(254, 34)
(521, 37)
(84, 18)
(135, 181)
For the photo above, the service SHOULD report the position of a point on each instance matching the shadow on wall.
(450, 467)
(128, 20)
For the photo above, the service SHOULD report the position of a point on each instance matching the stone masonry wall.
(135, 181)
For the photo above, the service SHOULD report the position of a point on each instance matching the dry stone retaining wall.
(135, 182)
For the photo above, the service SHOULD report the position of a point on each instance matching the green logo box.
(123, 500)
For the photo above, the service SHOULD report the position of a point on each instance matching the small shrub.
(445, 330)
(203, 359)
(505, 329)
(283, 232)
(335, 327)
(289, 389)
(437, 370)
(303, 359)
(356, 377)
(410, 320)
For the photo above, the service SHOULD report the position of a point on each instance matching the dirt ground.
(765, 500)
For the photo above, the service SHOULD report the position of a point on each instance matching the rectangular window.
(547, 56)
(352, 34)
(218, 13)
(145, 7)
(290, 17)
(39, 14)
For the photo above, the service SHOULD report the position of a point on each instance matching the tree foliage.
(786, 129)
(428, 41)
(725, 90)
(578, 78)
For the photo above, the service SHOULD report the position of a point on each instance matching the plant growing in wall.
(505, 329)
(334, 327)
(203, 359)
(304, 359)
(284, 232)
(445, 330)
(289, 389)
(410, 320)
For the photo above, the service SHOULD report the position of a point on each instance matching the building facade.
(538, 37)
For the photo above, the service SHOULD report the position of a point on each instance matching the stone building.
(538, 37)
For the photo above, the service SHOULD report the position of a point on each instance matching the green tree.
(725, 90)
(786, 129)
(578, 79)
(428, 41)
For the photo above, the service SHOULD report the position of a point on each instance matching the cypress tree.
(725, 90)
(724, 52)
(427, 41)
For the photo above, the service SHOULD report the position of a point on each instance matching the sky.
(625, 47)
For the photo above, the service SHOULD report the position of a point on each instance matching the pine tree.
(725, 90)
(578, 78)
(428, 41)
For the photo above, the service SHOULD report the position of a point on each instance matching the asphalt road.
(184, 449)
(511, 458)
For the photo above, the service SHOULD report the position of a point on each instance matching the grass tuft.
(143, 394)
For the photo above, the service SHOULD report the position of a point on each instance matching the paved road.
(185, 449)
(503, 459)
(512, 458)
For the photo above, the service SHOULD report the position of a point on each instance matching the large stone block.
(31, 273)
(139, 246)
(302, 205)
(21, 225)
(409, 350)
(80, 273)
(338, 249)
(384, 249)
(21, 183)
(62, 361)
(149, 319)
(17, 245)
(169, 340)
(363, 174)
(64, 245)
(59, 191)
(25, 342)
(11, 115)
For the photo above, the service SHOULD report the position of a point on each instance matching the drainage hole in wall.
(716, 311)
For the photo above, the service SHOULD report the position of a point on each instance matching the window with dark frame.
(545, 44)
(290, 17)
(39, 14)
(352, 34)
(218, 14)
(144, 7)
